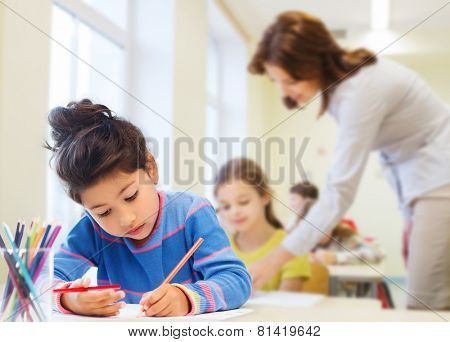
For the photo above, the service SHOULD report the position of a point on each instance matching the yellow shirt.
(296, 268)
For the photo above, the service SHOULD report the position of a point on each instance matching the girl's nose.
(127, 219)
(234, 211)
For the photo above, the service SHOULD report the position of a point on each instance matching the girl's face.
(300, 91)
(241, 206)
(124, 204)
(297, 202)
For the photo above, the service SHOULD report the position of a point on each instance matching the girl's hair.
(251, 173)
(305, 189)
(300, 44)
(309, 192)
(90, 143)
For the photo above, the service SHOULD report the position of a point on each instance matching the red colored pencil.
(84, 289)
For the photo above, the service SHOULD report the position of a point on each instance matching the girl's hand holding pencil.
(92, 303)
(169, 300)
(166, 300)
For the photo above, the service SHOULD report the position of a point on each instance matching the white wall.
(191, 39)
(23, 110)
(150, 76)
(24, 77)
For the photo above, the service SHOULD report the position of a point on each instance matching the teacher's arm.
(360, 119)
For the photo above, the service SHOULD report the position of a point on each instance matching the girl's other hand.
(92, 303)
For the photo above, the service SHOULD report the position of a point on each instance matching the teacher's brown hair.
(302, 46)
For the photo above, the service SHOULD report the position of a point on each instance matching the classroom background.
(177, 68)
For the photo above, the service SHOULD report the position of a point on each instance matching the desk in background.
(359, 274)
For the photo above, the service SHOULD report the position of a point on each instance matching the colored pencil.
(85, 289)
(183, 261)
(25, 268)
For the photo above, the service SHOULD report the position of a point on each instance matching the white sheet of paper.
(131, 312)
(285, 299)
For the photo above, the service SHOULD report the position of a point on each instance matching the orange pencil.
(183, 261)
(179, 265)
(38, 237)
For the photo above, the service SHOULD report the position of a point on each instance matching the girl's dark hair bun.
(90, 143)
(77, 116)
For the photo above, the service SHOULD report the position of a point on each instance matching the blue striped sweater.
(213, 279)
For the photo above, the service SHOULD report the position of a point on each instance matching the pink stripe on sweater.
(146, 249)
(207, 291)
(219, 289)
(187, 281)
(58, 296)
(133, 292)
(103, 236)
(212, 255)
(76, 256)
(196, 208)
(176, 230)
(157, 244)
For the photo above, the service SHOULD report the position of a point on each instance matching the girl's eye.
(106, 213)
(244, 202)
(129, 199)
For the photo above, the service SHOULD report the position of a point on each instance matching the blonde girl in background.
(245, 206)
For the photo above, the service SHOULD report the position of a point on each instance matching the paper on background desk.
(131, 311)
(285, 299)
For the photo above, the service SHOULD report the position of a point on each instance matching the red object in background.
(349, 223)
(384, 295)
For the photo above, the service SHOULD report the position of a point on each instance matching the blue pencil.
(44, 238)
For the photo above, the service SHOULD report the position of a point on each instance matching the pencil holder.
(26, 278)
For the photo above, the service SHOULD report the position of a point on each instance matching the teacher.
(378, 105)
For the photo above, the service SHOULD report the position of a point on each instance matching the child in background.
(346, 246)
(301, 197)
(245, 205)
(134, 234)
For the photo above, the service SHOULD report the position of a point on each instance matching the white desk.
(252, 311)
(351, 312)
(360, 274)
(357, 273)
(330, 309)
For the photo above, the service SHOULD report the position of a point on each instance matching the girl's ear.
(266, 198)
(152, 169)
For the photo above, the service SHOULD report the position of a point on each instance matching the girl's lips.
(240, 221)
(136, 231)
